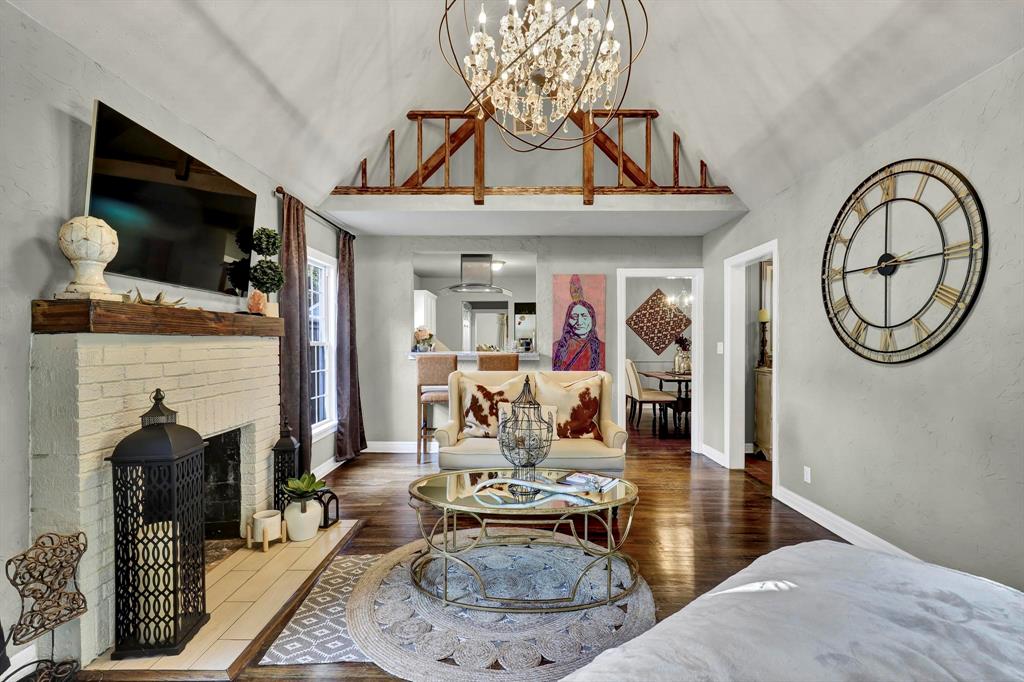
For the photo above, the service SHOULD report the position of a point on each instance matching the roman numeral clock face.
(904, 260)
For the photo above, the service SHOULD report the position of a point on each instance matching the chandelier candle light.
(547, 64)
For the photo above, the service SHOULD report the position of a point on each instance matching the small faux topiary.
(266, 242)
(266, 276)
(302, 489)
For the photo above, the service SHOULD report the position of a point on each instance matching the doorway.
(738, 356)
(695, 279)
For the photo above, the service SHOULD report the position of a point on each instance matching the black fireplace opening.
(223, 477)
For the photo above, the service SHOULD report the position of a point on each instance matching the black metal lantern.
(159, 558)
(286, 464)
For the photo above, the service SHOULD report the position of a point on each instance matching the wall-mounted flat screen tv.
(177, 219)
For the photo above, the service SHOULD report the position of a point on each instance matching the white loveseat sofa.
(602, 456)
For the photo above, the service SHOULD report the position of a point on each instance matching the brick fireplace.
(87, 392)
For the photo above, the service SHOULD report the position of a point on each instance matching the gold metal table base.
(443, 546)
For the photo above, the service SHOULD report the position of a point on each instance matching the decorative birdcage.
(159, 557)
(524, 436)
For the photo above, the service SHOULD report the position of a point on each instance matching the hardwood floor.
(696, 524)
(759, 467)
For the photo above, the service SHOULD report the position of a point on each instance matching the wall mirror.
(475, 301)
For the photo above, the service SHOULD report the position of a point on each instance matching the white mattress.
(824, 611)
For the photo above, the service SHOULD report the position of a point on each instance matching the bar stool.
(498, 362)
(431, 388)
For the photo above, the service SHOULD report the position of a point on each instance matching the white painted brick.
(145, 371)
(162, 354)
(123, 355)
(88, 357)
(95, 408)
(215, 384)
(178, 368)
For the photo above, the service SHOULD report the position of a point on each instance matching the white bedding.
(824, 611)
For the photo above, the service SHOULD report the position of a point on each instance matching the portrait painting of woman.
(578, 345)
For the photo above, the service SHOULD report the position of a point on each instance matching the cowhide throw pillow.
(548, 412)
(480, 405)
(578, 405)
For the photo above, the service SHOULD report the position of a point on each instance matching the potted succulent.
(303, 513)
(681, 363)
(265, 276)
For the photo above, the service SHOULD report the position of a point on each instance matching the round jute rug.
(416, 637)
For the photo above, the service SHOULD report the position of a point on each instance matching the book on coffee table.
(600, 483)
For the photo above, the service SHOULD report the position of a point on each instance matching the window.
(321, 291)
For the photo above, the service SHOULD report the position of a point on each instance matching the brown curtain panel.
(351, 437)
(295, 311)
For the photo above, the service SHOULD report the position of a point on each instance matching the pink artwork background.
(594, 293)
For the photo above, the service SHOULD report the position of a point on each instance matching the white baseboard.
(397, 446)
(850, 532)
(326, 468)
(715, 456)
(26, 655)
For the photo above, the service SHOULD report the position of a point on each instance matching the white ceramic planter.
(303, 525)
(269, 520)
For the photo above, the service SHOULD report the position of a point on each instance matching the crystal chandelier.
(545, 65)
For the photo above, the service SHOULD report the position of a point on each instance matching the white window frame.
(329, 305)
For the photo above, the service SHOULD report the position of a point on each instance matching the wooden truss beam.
(456, 139)
(630, 168)
(471, 125)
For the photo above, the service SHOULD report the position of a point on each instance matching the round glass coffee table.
(499, 517)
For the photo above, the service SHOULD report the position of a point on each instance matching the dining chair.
(498, 362)
(658, 400)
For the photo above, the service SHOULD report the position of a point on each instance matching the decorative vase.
(303, 519)
(677, 361)
(687, 363)
(272, 309)
(89, 243)
(257, 302)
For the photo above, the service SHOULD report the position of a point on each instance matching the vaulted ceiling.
(765, 91)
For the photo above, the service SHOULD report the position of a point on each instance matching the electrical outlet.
(721, 348)
(807, 474)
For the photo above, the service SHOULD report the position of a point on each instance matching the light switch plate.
(807, 474)
(721, 348)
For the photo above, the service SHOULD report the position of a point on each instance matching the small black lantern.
(159, 557)
(286, 464)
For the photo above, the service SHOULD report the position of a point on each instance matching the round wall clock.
(904, 260)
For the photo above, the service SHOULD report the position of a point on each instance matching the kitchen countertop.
(473, 355)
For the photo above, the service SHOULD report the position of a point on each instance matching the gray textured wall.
(384, 285)
(927, 455)
(46, 98)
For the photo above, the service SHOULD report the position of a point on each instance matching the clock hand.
(891, 261)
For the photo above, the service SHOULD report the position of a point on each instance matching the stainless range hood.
(477, 277)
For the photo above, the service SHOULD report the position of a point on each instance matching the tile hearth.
(243, 594)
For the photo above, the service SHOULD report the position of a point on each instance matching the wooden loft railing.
(632, 178)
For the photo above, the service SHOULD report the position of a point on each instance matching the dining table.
(681, 418)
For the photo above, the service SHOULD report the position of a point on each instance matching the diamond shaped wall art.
(658, 322)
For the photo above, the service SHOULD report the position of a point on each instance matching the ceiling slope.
(765, 91)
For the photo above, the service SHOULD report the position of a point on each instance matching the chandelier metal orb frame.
(546, 64)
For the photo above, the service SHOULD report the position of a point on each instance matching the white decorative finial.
(89, 243)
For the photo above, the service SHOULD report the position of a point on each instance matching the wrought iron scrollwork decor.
(42, 575)
(45, 578)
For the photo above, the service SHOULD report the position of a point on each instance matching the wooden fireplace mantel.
(109, 317)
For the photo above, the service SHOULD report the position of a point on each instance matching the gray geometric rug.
(318, 632)
(416, 637)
